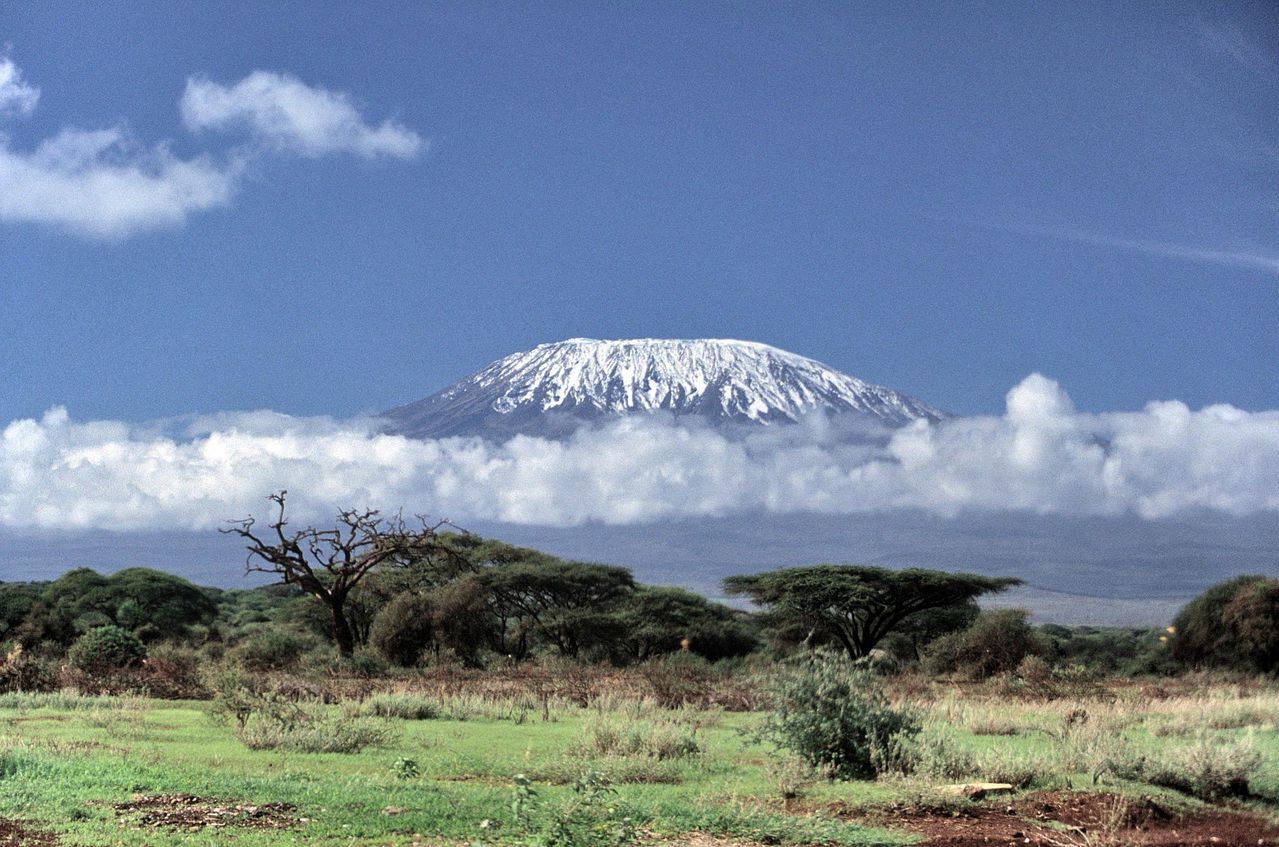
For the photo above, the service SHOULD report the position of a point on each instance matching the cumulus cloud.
(104, 184)
(100, 183)
(286, 114)
(16, 97)
(1040, 456)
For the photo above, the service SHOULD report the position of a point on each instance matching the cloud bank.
(105, 184)
(1040, 456)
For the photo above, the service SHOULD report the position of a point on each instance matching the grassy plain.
(66, 760)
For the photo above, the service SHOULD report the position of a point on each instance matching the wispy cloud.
(16, 97)
(1040, 456)
(286, 114)
(1229, 40)
(105, 184)
(1259, 260)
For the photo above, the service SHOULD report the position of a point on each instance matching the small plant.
(405, 769)
(791, 777)
(590, 818)
(836, 717)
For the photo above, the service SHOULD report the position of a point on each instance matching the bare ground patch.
(186, 811)
(1079, 819)
(14, 834)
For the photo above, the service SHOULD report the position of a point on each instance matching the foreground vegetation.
(442, 759)
(412, 686)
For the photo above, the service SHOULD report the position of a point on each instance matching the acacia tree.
(329, 563)
(857, 605)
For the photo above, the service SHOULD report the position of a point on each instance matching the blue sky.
(942, 199)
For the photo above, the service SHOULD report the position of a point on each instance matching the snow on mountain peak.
(551, 388)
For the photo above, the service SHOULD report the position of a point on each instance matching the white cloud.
(103, 184)
(16, 97)
(1040, 456)
(286, 114)
(98, 183)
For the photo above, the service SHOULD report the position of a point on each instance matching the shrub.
(19, 671)
(592, 817)
(409, 707)
(679, 678)
(1208, 769)
(931, 754)
(836, 717)
(308, 729)
(106, 647)
(997, 642)
(402, 630)
(272, 649)
(606, 735)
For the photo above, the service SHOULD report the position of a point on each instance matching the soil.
(14, 834)
(186, 811)
(1080, 819)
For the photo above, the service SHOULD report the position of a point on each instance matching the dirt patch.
(13, 834)
(186, 811)
(1079, 819)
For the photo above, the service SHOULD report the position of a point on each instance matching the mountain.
(553, 388)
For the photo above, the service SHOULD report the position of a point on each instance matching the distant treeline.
(490, 604)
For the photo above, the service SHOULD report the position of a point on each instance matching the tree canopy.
(856, 606)
(1234, 624)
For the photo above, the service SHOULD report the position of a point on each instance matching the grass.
(65, 759)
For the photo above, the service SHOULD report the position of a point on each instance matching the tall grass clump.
(409, 707)
(310, 730)
(605, 735)
(837, 717)
(1208, 768)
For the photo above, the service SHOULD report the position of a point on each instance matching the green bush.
(835, 716)
(591, 817)
(1209, 769)
(403, 630)
(272, 649)
(310, 729)
(607, 735)
(106, 647)
(996, 643)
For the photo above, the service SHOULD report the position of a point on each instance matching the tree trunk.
(342, 635)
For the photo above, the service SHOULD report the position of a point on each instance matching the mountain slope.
(553, 388)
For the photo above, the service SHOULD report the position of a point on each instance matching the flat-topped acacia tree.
(857, 605)
(329, 563)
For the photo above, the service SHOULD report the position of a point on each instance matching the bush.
(606, 735)
(996, 643)
(272, 649)
(679, 679)
(104, 648)
(1208, 769)
(1231, 626)
(836, 717)
(591, 817)
(402, 630)
(308, 729)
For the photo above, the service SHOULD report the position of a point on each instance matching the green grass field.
(66, 760)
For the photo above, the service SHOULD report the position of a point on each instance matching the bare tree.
(329, 563)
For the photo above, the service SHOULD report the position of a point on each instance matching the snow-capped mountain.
(553, 388)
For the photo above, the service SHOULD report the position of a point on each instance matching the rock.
(979, 790)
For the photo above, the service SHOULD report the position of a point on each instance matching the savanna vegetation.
(412, 685)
